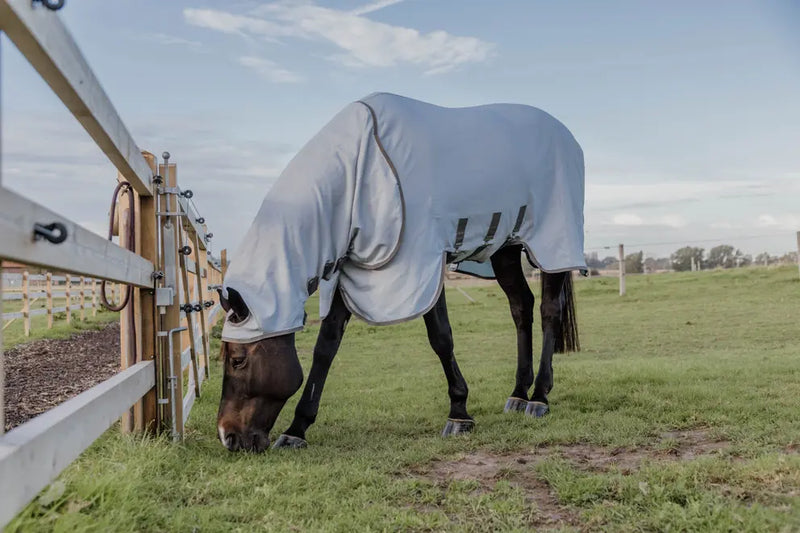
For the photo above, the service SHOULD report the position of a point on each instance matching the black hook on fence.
(185, 250)
(56, 232)
(52, 5)
(187, 194)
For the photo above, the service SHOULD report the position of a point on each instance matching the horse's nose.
(232, 441)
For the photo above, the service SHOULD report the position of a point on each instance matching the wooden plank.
(34, 453)
(13, 316)
(83, 253)
(43, 39)
(190, 318)
(188, 402)
(12, 296)
(202, 259)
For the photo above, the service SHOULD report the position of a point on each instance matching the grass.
(710, 350)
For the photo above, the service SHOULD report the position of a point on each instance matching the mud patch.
(44, 373)
(519, 469)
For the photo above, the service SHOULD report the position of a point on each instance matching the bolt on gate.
(163, 258)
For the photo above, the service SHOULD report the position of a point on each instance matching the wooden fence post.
(83, 299)
(798, 250)
(127, 353)
(145, 412)
(68, 293)
(171, 319)
(223, 258)
(26, 304)
(94, 297)
(2, 362)
(49, 290)
(621, 270)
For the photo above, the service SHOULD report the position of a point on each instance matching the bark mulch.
(44, 373)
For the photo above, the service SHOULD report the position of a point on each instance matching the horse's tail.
(567, 328)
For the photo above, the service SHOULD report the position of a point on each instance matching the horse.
(371, 212)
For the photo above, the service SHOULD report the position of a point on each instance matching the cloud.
(633, 219)
(269, 70)
(374, 6)
(789, 222)
(360, 42)
(173, 40)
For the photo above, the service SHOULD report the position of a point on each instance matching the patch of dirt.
(44, 373)
(519, 468)
(487, 469)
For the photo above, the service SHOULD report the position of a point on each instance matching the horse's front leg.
(440, 336)
(330, 336)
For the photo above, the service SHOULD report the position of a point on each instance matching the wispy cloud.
(374, 6)
(174, 40)
(360, 42)
(269, 70)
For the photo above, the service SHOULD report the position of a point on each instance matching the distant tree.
(634, 263)
(763, 259)
(610, 262)
(723, 256)
(592, 261)
(682, 258)
(789, 257)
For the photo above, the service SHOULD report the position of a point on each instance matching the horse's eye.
(238, 362)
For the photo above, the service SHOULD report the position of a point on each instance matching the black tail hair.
(567, 339)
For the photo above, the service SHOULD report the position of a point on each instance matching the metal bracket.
(164, 296)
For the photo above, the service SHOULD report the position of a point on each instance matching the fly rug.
(370, 213)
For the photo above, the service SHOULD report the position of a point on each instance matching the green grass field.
(712, 353)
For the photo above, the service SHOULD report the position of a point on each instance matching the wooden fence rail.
(167, 266)
(31, 288)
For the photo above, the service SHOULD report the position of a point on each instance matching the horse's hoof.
(457, 427)
(514, 405)
(537, 409)
(287, 441)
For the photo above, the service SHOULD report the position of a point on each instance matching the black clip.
(187, 194)
(187, 308)
(200, 220)
(185, 250)
(55, 232)
(52, 5)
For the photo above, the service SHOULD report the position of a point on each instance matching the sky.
(687, 112)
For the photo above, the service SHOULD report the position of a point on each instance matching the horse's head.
(258, 379)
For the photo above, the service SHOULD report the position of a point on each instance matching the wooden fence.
(78, 293)
(166, 324)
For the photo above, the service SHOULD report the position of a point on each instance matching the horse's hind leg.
(557, 324)
(440, 336)
(506, 263)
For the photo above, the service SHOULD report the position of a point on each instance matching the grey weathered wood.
(34, 453)
(621, 270)
(11, 296)
(83, 252)
(44, 40)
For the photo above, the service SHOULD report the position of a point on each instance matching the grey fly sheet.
(390, 191)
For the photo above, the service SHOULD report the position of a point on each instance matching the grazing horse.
(370, 213)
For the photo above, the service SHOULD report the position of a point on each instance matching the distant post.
(798, 250)
(622, 270)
